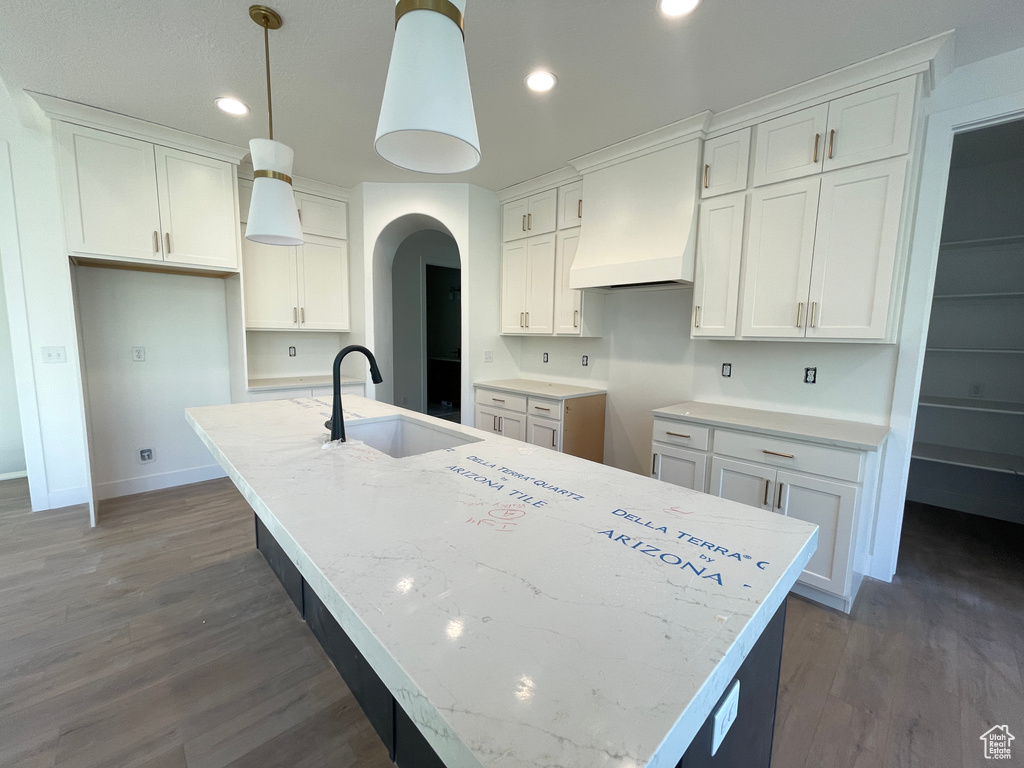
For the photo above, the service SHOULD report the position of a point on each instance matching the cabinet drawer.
(681, 433)
(505, 400)
(786, 454)
(545, 408)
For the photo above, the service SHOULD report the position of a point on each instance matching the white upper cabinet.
(126, 199)
(109, 194)
(197, 208)
(244, 199)
(717, 280)
(779, 253)
(568, 303)
(790, 146)
(513, 287)
(528, 286)
(570, 205)
(855, 246)
(322, 216)
(270, 277)
(870, 125)
(323, 283)
(534, 215)
(726, 159)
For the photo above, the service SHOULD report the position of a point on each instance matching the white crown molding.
(538, 184)
(660, 138)
(925, 57)
(57, 108)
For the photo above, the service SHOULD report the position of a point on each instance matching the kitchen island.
(522, 607)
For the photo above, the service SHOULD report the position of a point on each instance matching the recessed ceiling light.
(676, 8)
(231, 106)
(540, 81)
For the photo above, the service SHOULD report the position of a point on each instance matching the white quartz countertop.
(525, 607)
(299, 382)
(550, 389)
(844, 434)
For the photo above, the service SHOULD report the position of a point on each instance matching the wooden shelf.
(1001, 295)
(974, 350)
(965, 457)
(973, 404)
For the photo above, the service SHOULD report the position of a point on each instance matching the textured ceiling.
(622, 68)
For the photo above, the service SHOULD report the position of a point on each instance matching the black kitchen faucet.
(337, 421)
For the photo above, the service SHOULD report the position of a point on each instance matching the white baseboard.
(12, 475)
(134, 485)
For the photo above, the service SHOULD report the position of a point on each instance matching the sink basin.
(400, 437)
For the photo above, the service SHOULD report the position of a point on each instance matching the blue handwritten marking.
(657, 553)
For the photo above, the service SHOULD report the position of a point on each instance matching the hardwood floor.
(161, 639)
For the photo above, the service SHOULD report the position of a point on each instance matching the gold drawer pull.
(817, 138)
(167, 237)
(696, 317)
(783, 455)
(575, 318)
(156, 241)
(579, 209)
(676, 434)
(497, 400)
(799, 314)
(706, 169)
(814, 314)
(541, 408)
(831, 142)
(524, 222)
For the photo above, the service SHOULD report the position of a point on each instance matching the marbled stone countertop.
(552, 389)
(299, 382)
(525, 607)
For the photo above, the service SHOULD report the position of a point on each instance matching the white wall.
(268, 357)
(41, 310)
(181, 322)
(12, 453)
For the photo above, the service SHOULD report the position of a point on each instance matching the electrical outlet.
(725, 716)
(810, 375)
(54, 355)
(586, 360)
(291, 351)
(727, 370)
(488, 356)
(139, 354)
(146, 455)
(545, 357)
(977, 389)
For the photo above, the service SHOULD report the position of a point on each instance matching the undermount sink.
(401, 437)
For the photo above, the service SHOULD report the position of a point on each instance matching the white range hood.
(640, 198)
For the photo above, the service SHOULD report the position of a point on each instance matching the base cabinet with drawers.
(287, 393)
(564, 418)
(825, 475)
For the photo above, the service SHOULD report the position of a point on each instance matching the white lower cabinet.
(821, 484)
(501, 422)
(544, 432)
(679, 466)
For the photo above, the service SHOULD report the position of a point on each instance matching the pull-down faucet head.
(337, 421)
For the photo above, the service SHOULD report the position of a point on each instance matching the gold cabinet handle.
(779, 503)
(767, 487)
(522, 323)
(524, 222)
(167, 237)
(696, 317)
(799, 314)
(676, 434)
(299, 211)
(706, 169)
(579, 208)
(527, 319)
(156, 241)
(575, 318)
(302, 315)
(497, 400)
(817, 138)
(529, 221)
(542, 408)
(783, 455)
(831, 142)
(501, 424)
(494, 425)
(295, 315)
(814, 313)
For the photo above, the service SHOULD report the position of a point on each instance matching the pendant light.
(427, 122)
(273, 218)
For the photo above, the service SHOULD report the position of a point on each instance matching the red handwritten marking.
(678, 511)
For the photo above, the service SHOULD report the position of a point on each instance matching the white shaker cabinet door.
(514, 266)
(544, 432)
(831, 506)
(780, 248)
(487, 419)
(540, 296)
(512, 425)
(790, 146)
(197, 209)
(321, 216)
(109, 194)
(741, 481)
(570, 205)
(679, 466)
(541, 214)
(323, 279)
(870, 125)
(716, 285)
(514, 220)
(855, 251)
(568, 303)
(271, 289)
(725, 163)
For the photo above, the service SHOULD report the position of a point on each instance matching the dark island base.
(748, 744)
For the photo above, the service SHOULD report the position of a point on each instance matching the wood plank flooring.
(161, 639)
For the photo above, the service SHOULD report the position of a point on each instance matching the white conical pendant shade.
(273, 217)
(427, 122)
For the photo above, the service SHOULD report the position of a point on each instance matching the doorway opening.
(427, 324)
(12, 449)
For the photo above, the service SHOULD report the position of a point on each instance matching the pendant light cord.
(270, 102)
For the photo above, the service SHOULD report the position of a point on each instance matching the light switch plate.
(725, 716)
(488, 356)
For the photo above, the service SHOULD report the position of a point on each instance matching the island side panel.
(280, 564)
(583, 431)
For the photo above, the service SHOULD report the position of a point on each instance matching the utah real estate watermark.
(997, 742)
